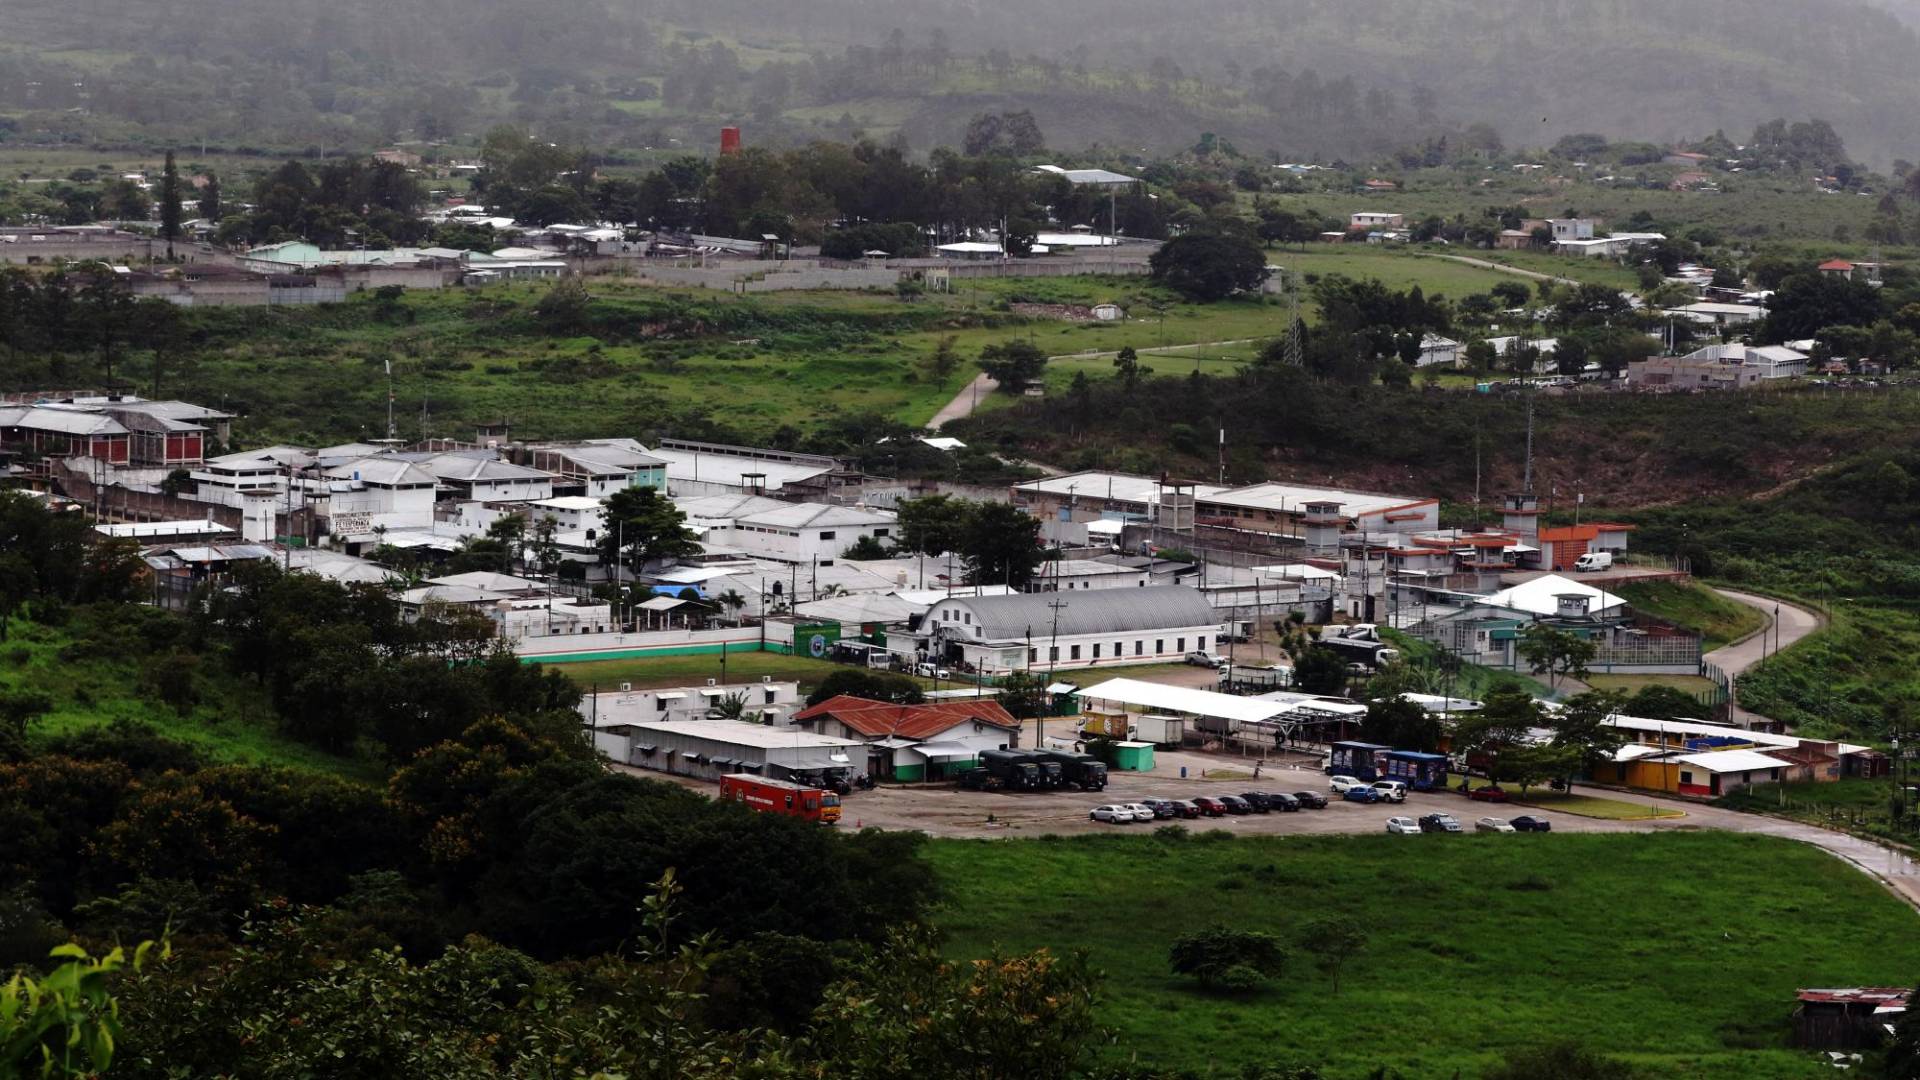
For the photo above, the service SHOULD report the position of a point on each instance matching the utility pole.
(1053, 660)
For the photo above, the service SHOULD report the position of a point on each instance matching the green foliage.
(1333, 941)
(1401, 724)
(1320, 670)
(1236, 961)
(1013, 364)
(1556, 653)
(869, 684)
(1563, 1059)
(1207, 267)
(643, 525)
(65, 1025)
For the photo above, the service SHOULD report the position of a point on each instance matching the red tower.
(729, 140)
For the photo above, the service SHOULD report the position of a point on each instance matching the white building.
(1771, 361)
(366, 494)
(1369, 219)
(468, 475)
(785, 531)
(1438, 351)
(1075, 575)
(570, 513)
(710, 749)
(1093, 628)
(1571, 228)
(766, 702)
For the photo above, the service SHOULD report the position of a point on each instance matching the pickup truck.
(1203, 658)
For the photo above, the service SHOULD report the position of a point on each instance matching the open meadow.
(1679, 952)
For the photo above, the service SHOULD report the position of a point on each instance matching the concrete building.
(1771, 361)
(1271, 507)
(595, 468)
(480, 475)
(1371, 219)
(784, 531)
(701, 468)
(710, 749)
(1092, 628)
(1686, 373)
(765, 702)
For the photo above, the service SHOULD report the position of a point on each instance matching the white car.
(1405, 826)
(1141, 811)
(932, 671)
(1493, 824)
(1114, 815)
(1391, 790)
(1203, 658)
(1340, 784)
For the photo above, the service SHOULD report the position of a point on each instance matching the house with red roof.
(915, 742)
(1838, 268)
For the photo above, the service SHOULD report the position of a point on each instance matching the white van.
(1594, 560)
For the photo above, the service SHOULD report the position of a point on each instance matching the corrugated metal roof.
(1090, 611)
(1182, 699)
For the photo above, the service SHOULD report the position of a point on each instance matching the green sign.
(815, 639)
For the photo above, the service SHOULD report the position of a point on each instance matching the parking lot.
(945, 811)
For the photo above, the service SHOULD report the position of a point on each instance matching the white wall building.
(1100, 627)
(766, 702)
(785, 531)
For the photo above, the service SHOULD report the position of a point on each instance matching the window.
(967, 618)
(1159, 646)
(1180, 645)
(1033, 656)
(1139, 648)
(826, 562)
(880, 532)
(1119, 649)
(660, 704)
(770, 695)
(1096, 650)
(828, 534)
(1686, 777)
(1053, 652)
(1074, 652)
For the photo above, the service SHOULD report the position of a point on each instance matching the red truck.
(781, 797)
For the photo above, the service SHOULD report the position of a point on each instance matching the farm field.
(1477, 945)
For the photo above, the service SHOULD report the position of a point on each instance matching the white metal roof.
(741, 733)
(1182, 699)
(1291, 497)
(1120, 487)
(1730, 761)
(1539, 596)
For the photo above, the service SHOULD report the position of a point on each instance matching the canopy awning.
(946, 751)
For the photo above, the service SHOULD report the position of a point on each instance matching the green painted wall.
(908, 774)
(732, 648)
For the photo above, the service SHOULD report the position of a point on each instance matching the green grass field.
(1627, 684)
(1695, 607)
(1678, 951)
(687, 670)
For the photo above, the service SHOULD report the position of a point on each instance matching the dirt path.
(1488, 264)
(973, 393)
(1786, 624)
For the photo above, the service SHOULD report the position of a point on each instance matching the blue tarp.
(675, 590)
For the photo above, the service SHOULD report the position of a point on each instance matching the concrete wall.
(736, 639)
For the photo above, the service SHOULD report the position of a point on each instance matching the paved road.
(1786, 624)
(963, 403)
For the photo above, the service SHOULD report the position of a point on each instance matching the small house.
(1853, 1018)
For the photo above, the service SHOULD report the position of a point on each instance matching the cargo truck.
(781, 797)
(1085, 771)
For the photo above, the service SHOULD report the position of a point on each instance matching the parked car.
(1593, 560)
(1236, 805)
(1280, 800)
(1162, 808)
(1340, 784)
(1258, 801)
(1210, 807)
(932, 671)
(1493, 824)
(1531, 824)
(1405, 826)
(1391, 790)
(1203, 658)
(1439, 823)
(1487, 794)
(1183, 808)
(1311, 800)
(1361, 793)
(1141, 811)
(1112, 815)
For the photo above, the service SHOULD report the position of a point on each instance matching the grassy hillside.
(1294, 75)
(101, 670)
(1715, 618)
(1476, 945)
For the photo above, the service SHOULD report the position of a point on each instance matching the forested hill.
(1300, 77)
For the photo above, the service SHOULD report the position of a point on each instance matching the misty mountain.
(1300, 77)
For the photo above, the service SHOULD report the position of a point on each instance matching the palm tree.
(730, 601)
(731, 707)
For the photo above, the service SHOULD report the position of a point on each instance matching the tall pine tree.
(170, 204)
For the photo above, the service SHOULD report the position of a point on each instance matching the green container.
(1133, 757)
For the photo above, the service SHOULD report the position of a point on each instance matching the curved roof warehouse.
(1095, 626)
